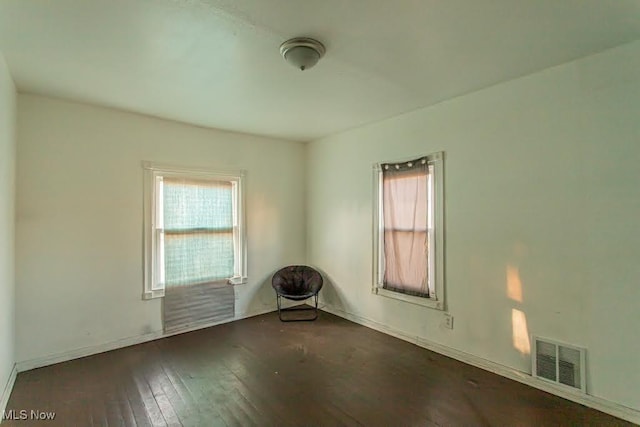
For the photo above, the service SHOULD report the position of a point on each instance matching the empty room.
(319, 213)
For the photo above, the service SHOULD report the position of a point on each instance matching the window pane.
(190, 204)
(406, 202)
(406, 261)
(198, 257)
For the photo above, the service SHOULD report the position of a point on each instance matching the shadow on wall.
(263, 296)
(330, 295)
(260, 298)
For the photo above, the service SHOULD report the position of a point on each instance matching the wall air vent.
(559, 363)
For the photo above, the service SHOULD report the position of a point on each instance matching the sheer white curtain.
(405, 204)
(197, 232)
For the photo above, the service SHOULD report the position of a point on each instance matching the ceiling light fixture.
(302, 52)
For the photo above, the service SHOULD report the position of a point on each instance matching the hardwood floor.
(262, 372)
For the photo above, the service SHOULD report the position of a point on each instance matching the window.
(194, 228)
(408, 228)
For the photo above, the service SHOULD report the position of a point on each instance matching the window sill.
(237, 281)
(158, 293)
(425, 302)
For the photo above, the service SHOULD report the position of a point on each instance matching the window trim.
(152, 170)
(436, 262)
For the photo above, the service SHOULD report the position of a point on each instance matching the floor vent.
(559, 363)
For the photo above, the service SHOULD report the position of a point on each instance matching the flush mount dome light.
(302, 52)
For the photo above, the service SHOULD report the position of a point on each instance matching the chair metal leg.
(281, 310)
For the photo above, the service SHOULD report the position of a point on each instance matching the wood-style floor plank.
(261, 372)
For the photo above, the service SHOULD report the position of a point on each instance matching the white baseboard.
(39, 362)
(6, 392)
(594, 402)
(27, 365)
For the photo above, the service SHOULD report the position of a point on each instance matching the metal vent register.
(559, 363)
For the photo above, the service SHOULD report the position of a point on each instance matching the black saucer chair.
(297, 283)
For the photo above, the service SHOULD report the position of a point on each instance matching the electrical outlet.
(448, 321)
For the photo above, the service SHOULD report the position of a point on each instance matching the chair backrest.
(297, 280)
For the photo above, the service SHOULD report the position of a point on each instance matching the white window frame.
(153, 269)
(436, 236)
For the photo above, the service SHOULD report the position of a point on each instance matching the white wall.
(79, 218)
(7, 227)
(542, 187)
